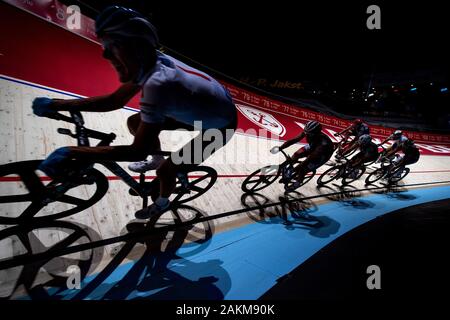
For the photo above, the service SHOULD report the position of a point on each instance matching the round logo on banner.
(262, 119)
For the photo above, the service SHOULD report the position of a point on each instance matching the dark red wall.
(37, 51)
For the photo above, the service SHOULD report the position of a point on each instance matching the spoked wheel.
(39, 275)
(187, 235)
(199, 180)
(260, 179)
(353, 174)
(329, 175)
(25, 196)
(376, 175)
(398, 174)
(256, 201)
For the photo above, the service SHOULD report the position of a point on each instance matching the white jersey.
(177, 91)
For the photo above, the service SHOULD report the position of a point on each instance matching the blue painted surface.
(245, 262)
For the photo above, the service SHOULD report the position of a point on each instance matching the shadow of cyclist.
(159, 267)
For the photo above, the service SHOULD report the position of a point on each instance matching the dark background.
(324, 45)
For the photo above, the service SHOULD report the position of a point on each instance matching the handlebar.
(82, 134)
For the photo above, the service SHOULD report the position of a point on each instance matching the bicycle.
(385, 155)
(341, 145)
(389, 172)
(40, 194)
(265, 176)
(343, 170)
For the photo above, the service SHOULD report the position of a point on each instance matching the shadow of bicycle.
(163, 270)
(45, 278)
(167, 243)
(339, 193)
(293, 212)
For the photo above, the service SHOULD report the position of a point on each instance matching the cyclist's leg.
(349, 147)
(357, 160)
(312, 162)
(407, 159)
(390, 151)
(302, 152)
(341, 145)
(133, 122)
(193, 153)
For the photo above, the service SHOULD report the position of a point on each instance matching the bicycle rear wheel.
(28, 196)
(398, 175)
(200, 179)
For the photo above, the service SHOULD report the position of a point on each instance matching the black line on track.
(138, 236)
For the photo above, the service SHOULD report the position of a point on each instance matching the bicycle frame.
(82, 135)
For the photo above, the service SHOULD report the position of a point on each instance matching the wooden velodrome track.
(26, 137)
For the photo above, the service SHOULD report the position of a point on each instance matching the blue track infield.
(245, 262)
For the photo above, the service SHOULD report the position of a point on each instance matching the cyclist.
(318, 150)
(174, 96)
(368, 152)
(411, 154)
(398, 139)
(356, 129)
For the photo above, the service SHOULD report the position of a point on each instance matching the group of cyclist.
(175, 95)
(356, 137)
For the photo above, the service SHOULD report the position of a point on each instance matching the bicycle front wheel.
(374, 176)
(260, 179)
(26, 195)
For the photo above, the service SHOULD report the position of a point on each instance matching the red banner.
(57, 13)
(262, 116)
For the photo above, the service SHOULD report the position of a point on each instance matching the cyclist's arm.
(110, 102)
(293, 141)
(385, 140)
(145, 142)
(346, 130)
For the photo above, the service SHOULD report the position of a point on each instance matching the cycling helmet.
(313, 127)
(365, 139)
(397, 133)
(125, 23)
(357, 121)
